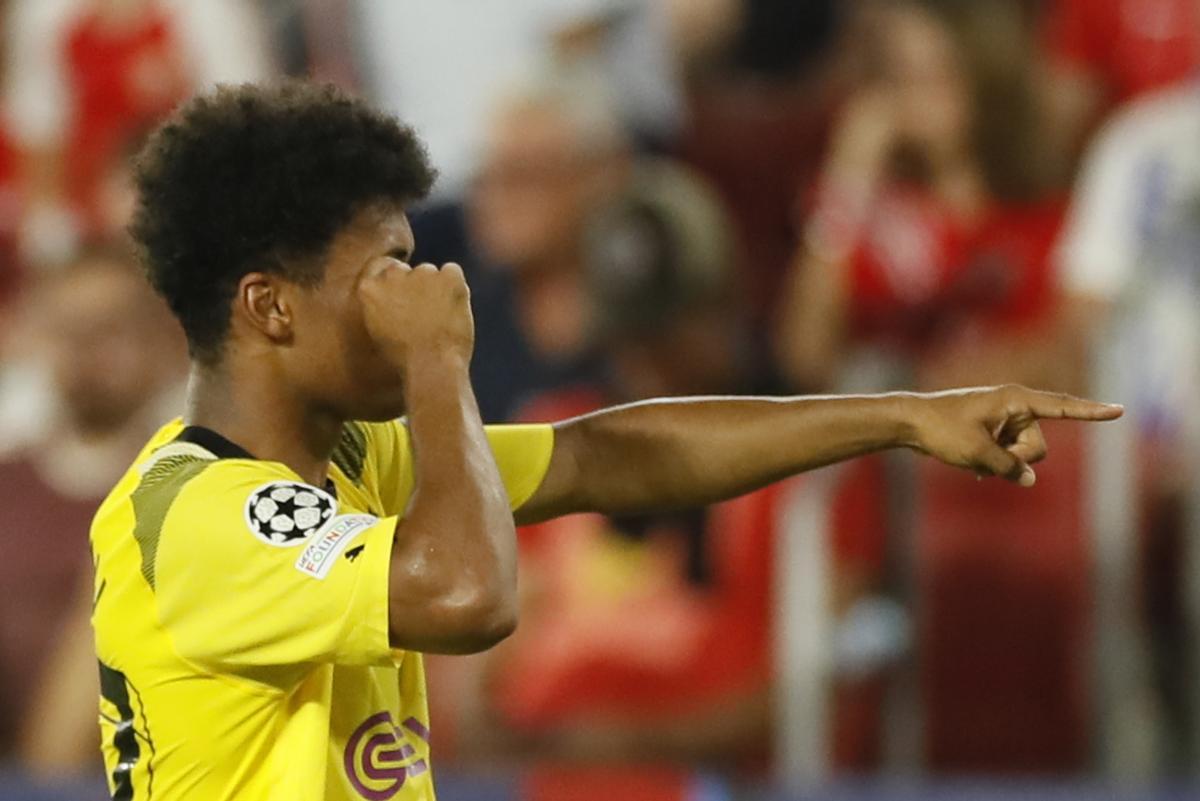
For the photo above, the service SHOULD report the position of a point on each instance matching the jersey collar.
(213, 442)
(222, 448)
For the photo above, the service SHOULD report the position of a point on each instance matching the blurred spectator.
(115, 362)
(555, 153)
(1130, 259)
(926, 224)
(457, 58)
(928, 242)
(1103, 53)
(1131, 242)
(84, 76)
(757, 119)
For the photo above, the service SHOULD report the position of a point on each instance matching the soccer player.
(272, 567)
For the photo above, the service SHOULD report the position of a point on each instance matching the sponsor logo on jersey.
(322, 551)
(286, 513)
(381, 756)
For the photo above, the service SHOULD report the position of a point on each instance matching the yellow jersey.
(241, 620)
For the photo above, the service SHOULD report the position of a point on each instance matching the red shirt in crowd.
(44, 539)
(10, 216)
(1132, 46)
(919, 272)
(123, 78)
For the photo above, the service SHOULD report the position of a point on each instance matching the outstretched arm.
(690, 452)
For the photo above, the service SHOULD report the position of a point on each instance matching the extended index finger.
(1060, 406)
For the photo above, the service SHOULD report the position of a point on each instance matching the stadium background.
(678, 197)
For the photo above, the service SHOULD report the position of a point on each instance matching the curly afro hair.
(261, 178)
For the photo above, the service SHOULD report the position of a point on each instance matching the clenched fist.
(994, 431)
(416, 310)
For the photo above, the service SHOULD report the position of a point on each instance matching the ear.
(262, 303)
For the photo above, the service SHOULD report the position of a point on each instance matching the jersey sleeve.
(522, 454)
(255, 570)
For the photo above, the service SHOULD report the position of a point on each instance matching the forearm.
(454, 561)
(691, 452)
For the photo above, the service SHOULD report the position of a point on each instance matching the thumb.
(997, 461)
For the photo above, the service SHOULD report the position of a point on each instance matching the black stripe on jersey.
(149, 741)
(351, 451)
(152, 499)
(114, 690)
(213, 442)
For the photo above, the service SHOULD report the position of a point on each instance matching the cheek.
(360, 368)
(355, 346)
(315, 358)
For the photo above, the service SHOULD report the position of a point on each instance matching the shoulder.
(264, 499)
(235, 514)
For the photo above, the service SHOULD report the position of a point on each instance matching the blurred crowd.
(681, 197)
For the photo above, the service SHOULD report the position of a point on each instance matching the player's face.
(336, 363)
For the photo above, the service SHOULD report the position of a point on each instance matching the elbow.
(463, 617)
(473, 621)
(490, 625)
(483, 621)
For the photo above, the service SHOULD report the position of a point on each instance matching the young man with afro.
(272, 567)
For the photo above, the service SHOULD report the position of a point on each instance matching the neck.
(261, 416)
